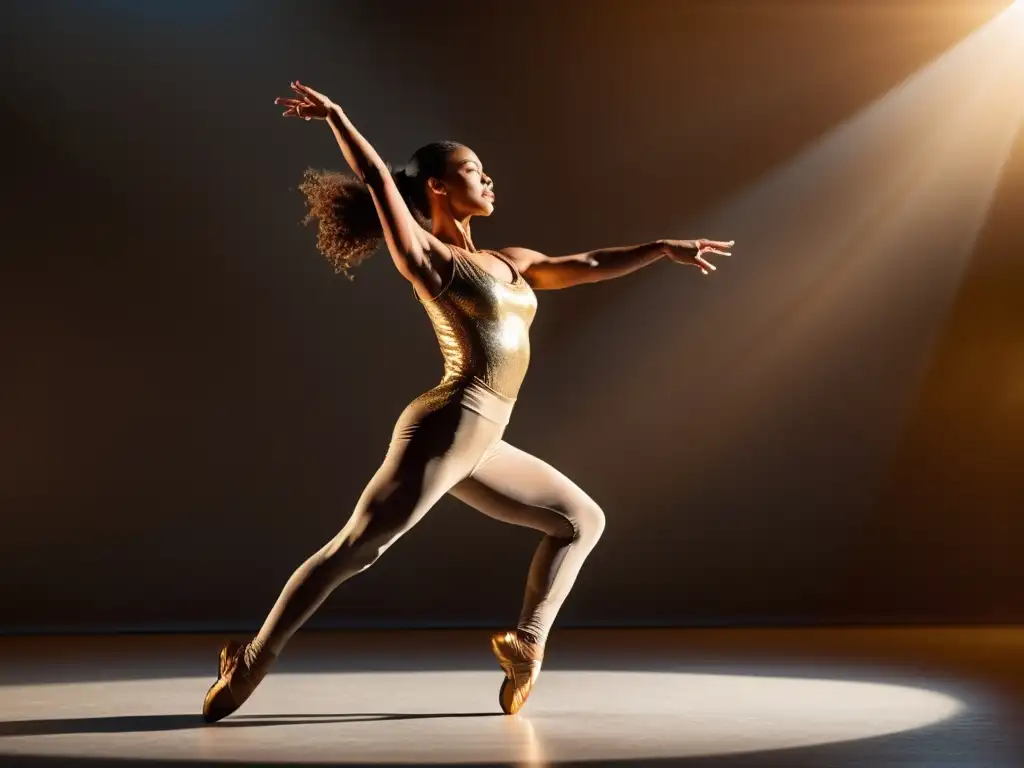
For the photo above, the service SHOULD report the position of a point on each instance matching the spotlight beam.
(847, 261)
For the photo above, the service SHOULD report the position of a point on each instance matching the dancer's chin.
(480, 206)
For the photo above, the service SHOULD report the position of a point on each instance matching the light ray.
(847, 260)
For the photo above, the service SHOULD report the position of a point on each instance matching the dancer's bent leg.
(516, 487)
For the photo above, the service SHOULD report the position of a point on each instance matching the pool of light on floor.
(452, 717)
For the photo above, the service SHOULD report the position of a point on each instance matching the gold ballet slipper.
(521, 662)
(235, 682)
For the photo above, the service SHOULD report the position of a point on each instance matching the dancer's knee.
(363, 540)
(346, 556)
(588, 521)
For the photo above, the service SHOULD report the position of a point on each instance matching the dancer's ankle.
(530, 638)
(255, 656)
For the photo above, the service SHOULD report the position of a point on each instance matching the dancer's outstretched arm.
(548, 273)
(411, 246)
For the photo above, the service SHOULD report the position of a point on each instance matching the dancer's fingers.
(286, 102)
(715, 250)
(308, 92)
(296, 112)
(305, 100)
(705, 264)
(306, 88)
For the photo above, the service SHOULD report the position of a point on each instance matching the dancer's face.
(466, 189)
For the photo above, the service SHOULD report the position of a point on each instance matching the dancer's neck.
(453, 232)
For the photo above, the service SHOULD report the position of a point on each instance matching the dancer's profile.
(449, 439)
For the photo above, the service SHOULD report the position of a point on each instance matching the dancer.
(449, 439)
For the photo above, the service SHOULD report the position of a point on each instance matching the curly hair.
(349, 228)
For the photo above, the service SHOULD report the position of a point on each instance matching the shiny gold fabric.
(482, 324)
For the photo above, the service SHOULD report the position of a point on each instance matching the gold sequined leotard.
(482, 324)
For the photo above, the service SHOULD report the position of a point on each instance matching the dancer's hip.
(471, 394)
(465, 406)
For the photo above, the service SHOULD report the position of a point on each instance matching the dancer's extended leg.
(429, 452)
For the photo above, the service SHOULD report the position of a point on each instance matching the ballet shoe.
(235, 681)
(521, 662)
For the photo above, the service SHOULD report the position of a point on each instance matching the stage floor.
(788, 697)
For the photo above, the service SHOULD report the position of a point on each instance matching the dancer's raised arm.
(411, 245)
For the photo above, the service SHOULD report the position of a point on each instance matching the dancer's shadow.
(124, 724)
(149, 723)
(248, 721)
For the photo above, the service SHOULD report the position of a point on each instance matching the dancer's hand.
(691, 252)
(310, 104)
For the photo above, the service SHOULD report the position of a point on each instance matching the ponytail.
(414, 191)
(349, 229)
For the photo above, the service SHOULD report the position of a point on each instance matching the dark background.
(191, 401)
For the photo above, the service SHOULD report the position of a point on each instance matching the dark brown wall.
(190, 401)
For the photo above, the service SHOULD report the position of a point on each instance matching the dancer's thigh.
(429, 452)
(516, 487)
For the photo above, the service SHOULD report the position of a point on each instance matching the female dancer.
(449, 439)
